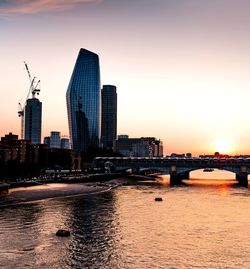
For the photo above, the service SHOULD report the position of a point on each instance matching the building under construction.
(33, 120)
(31, 112)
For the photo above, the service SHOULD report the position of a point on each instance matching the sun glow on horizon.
(223, 146)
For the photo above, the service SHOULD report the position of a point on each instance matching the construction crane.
(21, 114)
(34, 83)
(34, 90)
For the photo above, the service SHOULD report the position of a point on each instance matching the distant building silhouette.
(46, 140)
(139, 147)
(83, 102)
(180, 155)
(20, 157)
(109, 116)
(11, 148)
(55, 141)
(33, 121)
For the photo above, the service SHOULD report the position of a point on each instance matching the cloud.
(8, 7)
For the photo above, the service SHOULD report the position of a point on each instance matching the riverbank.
(28, 192)
(55, 190)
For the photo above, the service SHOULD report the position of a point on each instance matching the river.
(203, 224)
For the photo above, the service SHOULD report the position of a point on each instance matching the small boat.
(63, 233)
(208, 170)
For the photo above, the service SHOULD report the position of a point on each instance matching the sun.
(223, 146)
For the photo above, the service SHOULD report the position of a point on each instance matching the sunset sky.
(181, 67)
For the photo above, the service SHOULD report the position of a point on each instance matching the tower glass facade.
(83, 102)
(109, 116)
(33, 120)
(55, 140)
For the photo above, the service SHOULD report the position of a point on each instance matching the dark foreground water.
(205, 224)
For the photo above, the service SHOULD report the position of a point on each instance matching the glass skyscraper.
(33, 120)
(83, 102)
(109, 116)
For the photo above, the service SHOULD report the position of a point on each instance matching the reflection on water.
(94, 232)
(195, 226)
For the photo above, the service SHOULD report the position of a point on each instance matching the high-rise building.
(109, 116)
(33, 120)
(83, 102)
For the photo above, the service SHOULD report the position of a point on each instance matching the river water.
(205, 224)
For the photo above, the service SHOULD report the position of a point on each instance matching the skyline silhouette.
(181, 67)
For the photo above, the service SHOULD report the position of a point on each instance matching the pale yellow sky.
(181, 67)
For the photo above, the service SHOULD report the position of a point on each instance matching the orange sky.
(181, 67)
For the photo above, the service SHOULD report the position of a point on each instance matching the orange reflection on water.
(223, 189)
(163, 180)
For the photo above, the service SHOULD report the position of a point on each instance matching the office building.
(109, 116)
(33, 120)
(55, 140)
(83, 102)
(139, 147)
(65, 144)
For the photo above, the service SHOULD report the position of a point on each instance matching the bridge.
(177, 168)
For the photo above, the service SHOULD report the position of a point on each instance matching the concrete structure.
(139, 147)
(83, 102)
(33, 121)
(178, 168)
(109, 116)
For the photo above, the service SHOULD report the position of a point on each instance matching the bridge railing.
(161, 162)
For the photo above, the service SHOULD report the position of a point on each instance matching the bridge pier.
(4, 188)
(186, 175)
(242, 179)
(176, 178)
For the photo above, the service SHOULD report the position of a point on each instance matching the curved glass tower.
(83, 102)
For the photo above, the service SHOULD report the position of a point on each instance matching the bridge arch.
(212, 174)
(228, 169)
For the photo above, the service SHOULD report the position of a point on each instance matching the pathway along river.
(205, 224)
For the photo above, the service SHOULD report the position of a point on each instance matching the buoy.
(63, 233)
(158, 199)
